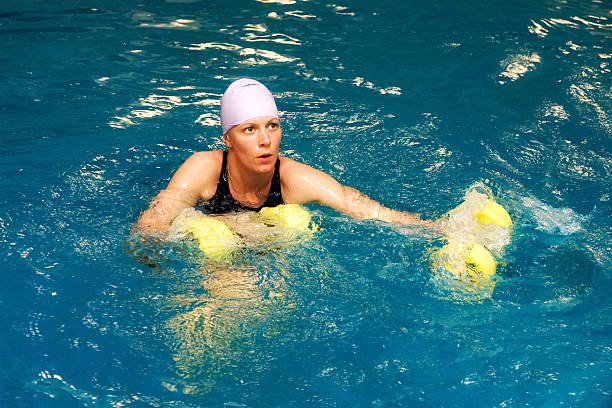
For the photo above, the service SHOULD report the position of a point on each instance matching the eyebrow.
(252, 124)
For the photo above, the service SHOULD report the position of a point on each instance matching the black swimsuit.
(223, 202)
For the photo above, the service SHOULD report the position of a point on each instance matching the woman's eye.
(249, 129)
(274, 125)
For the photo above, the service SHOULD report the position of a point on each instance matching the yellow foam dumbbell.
(215, 239)
(493, 213)
(290, 216)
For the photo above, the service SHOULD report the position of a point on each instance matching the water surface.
(412, 103)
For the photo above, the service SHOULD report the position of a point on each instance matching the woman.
(251, 174)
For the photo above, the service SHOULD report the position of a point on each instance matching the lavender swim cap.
(245, 99)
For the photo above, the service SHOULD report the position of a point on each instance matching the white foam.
(515, 66)
(463, 228)
(556, 111)
(559, 221)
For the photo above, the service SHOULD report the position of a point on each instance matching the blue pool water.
(413, 103)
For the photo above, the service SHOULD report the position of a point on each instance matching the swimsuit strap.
(224, 202)
(275, 197)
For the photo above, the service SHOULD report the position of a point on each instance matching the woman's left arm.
(303, 184)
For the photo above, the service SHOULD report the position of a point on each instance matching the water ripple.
(515, 66)
(400, 100)
(275, 38)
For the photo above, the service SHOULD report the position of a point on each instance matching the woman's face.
(255, 143)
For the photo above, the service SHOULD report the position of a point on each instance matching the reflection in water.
(515, 66)
(179, 23)
(267, 55)
(232, 52)
(587, 94)
(276, 38)
(299, 14)
(157, 105)
(587, 85)
(214, 331)
(283, 2)
(231, 304)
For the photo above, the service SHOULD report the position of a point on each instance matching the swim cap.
(245, 99)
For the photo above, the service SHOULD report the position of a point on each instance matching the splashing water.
(462, 229)
(558, 221)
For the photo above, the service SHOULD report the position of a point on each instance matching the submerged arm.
(164, 208)
(195, 179)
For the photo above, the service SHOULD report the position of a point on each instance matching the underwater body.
(422, 107)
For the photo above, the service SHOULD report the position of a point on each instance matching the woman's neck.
(250, 189)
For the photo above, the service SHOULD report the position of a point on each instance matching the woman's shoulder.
(206, 157)
(199, 174)
(302, 183)
(289, 169)
(292, 168)
(289, 165)
(202, 166)
(295, 173)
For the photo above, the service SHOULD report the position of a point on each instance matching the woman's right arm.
(196, 179)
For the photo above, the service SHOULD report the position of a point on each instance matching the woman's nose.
(264, 138)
